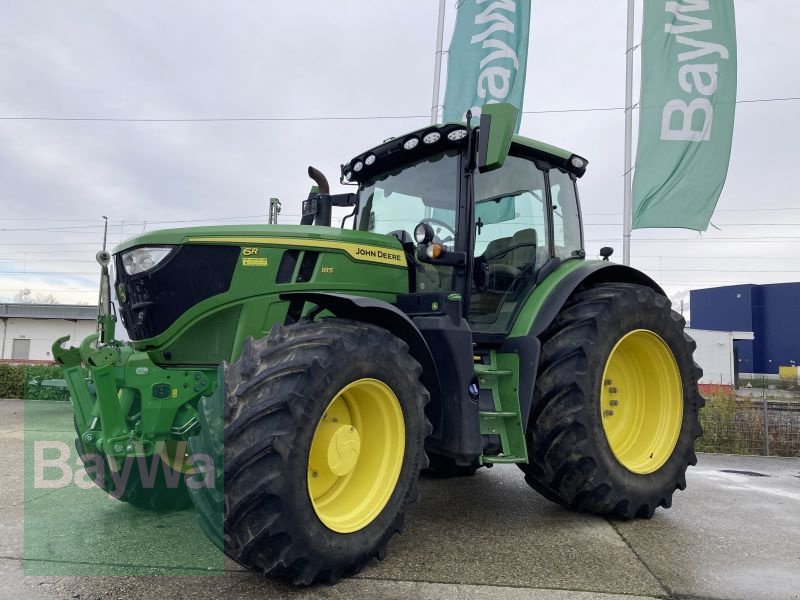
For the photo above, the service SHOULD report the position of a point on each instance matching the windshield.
(399, 200)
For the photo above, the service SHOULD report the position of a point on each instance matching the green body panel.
(541, 147)
(301, 232)
(215, 329)
(530, 309)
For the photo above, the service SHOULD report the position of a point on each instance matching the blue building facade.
(771, 312)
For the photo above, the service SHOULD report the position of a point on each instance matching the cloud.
(359, 58)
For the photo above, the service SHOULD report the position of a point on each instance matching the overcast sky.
(354, 58)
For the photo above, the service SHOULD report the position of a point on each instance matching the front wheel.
(616, 404)
(324, 432)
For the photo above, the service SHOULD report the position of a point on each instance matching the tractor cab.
(486, 231)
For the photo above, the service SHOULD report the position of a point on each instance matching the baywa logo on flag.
(488, 56)
(688, 101)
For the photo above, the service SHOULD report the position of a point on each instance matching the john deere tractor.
(293, 381)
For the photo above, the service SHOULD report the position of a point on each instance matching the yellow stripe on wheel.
(641, 401)
(356, 455)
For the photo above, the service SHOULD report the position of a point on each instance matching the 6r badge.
(250, 259)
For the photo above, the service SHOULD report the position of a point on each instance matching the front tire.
(616, 404)
(324, 433)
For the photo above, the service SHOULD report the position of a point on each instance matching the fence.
(763, 419)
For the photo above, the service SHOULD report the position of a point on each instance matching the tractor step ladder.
(505, 419)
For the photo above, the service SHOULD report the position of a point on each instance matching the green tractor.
(293, 381)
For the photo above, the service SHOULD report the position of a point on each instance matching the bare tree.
(25, 296)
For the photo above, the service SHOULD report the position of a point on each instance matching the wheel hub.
(337, 449)
(356, 455)
(641, 401)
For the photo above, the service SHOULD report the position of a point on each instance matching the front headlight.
(140, 260)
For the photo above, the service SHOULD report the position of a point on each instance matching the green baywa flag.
(687, 110)
(488, 56)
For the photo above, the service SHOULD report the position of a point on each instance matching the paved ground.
(735, 533)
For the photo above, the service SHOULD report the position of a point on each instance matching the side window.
(510, 241)
(509, 202)
(566, 220)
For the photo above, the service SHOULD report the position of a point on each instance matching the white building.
(715, 355)
(28, 331)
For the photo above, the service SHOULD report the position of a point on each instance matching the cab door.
(512, 241)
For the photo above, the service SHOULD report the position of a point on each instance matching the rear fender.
(525, 334)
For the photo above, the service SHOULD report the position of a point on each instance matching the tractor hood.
(304, 233)
(190, 294)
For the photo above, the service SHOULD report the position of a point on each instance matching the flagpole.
(437, 65)
(627, 202)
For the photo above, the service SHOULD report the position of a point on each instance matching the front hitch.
(75, 375)
(66, 357)
(82, 365)
(120, 376)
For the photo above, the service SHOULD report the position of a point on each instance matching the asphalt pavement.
(734, 533)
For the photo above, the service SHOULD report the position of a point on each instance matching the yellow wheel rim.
(641, 401)
(356, 455)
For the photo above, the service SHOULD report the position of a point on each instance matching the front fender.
(382, 314)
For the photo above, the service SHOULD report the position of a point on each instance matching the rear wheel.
(616, 404)
(324, 431)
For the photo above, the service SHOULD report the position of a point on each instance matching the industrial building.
(29, 330)
(716, 356)
(771, 312)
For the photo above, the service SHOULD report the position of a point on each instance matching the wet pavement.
(734, 533)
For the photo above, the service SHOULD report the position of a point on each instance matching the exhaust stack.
(317, 210)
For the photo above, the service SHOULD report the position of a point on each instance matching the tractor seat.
(524, 255)
(496, 246)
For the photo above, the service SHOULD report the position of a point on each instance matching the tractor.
(293, 381)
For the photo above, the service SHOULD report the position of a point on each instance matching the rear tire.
(277, 397)
(572, 460)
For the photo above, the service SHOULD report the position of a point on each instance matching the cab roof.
(395, 151)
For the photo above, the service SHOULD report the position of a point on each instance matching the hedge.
(24, 381)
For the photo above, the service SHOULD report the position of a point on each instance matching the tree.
(25, 296)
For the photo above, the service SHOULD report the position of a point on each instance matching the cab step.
(499, 378)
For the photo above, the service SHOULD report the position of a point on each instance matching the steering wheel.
(432, 221)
